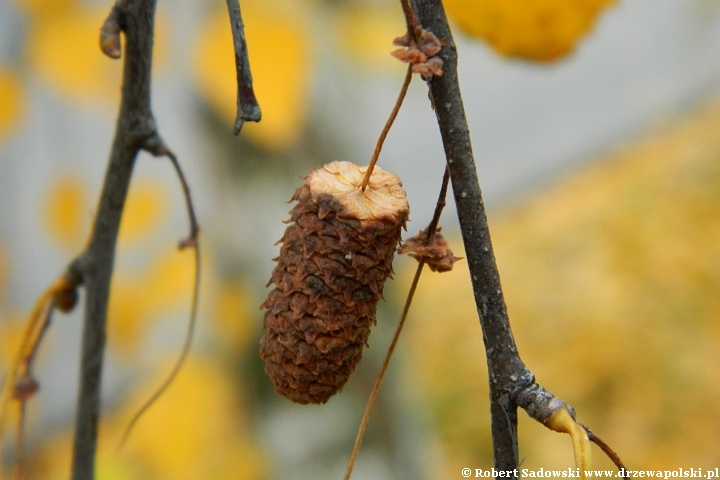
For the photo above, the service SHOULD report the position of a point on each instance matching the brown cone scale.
(335, 256)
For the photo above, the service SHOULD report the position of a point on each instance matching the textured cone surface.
(334, 259)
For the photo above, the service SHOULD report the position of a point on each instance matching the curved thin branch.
(607, 450)
(157, 147)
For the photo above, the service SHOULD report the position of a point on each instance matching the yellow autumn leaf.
(66, 215)
(539, 30)
(280, 60)
(12, 101)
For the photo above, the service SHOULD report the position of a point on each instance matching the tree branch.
(507, 373)
(135, 125)
(247, 105)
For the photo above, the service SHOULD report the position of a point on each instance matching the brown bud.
(110, 37)
(436, 254)
(25, 387)
(335, 257)
(66, 297)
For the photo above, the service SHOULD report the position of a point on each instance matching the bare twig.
(432, 227)
(20, 384)
(607, 450)
(505, 368)
(25, 387)
(110, 43)
(511, 383)
(156, 146)
(135, 125)
(386, 128)
(181, 359)
(247, 105)
(411, 19)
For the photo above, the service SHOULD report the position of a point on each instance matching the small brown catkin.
(336, 254)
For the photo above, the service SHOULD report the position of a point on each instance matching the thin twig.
(607, 450)
(247, 105)
(411, 19)
(194, 227)
(193, 242)
(20, 384)
(386, 128)
(432, 227)
(181, 359)
(30, 389)
(20, 443)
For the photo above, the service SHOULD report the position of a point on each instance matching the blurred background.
(596, 130)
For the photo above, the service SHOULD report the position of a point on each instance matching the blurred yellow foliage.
(447, 365)
(540, 30)
(66, 212)
(12, 100)
(197, 430)
(63, 50)
(612, 280)
(146, 206)
(278, 39)
(231, 318)
(46, 8)
(366, 33)
(137, 299)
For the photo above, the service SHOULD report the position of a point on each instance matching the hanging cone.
(335, 256)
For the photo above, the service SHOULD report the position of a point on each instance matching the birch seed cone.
(335, 256)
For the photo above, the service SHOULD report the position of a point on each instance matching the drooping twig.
(432, 227)
(158, 148)
(25, 387)
(247, 105)
(20, 384)
(607, 450)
